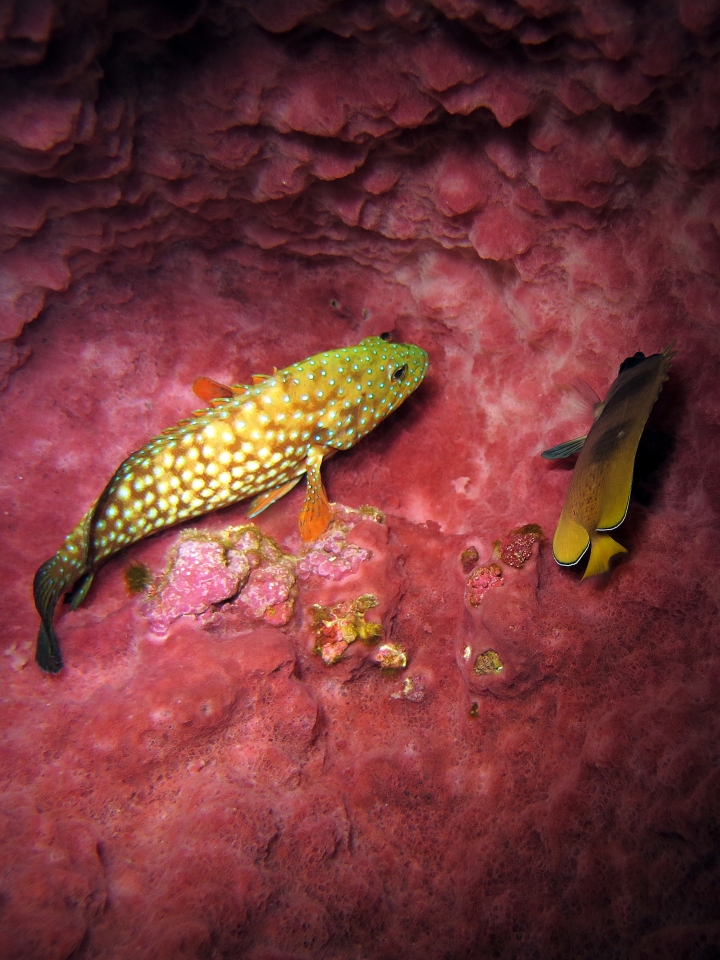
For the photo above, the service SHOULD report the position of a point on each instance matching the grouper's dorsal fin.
(562, 450)
(209, 390)
(261, 377)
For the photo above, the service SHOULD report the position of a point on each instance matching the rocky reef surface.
(421, 738)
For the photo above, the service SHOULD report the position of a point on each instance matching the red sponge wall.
(517, 764)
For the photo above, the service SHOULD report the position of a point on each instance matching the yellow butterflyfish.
(599, 493)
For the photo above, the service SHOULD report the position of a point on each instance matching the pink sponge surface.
(530, 192)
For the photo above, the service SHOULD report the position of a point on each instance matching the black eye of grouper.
(385, 336)
(399, 373)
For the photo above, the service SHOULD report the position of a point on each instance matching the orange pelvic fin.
(316, 514)
(263, 500)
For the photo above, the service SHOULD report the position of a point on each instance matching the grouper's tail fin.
(54, 578)
(49, 585)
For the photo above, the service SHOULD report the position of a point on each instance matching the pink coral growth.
(270, 591)
(514, 550)
(480, 581)
(205, 570)
(516, 547)
(332, 557)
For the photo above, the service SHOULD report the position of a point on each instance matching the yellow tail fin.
(602, 549)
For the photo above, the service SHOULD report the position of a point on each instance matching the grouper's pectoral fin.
(316, 514)
(263, 500)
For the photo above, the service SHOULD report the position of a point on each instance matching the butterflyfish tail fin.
(566, 449)
(602, 549)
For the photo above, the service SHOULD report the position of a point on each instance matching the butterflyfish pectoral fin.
(265, 500)
(316, 514)
(570, 542)
(209, 390)
(566, 449)
(602, 549)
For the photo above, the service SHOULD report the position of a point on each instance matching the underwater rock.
(331, 556)
(530, 192)
(205, 570)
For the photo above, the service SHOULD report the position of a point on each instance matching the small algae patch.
(469, 559)
(335, 628)
(413, 689)
(138, 577)
(487, 663)
(480, 581)
(207, 570)
(515, 549)
(391, 656)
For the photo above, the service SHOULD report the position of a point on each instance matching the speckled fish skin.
(260, 441)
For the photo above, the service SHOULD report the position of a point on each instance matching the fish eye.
(398, 374)
(385, 336)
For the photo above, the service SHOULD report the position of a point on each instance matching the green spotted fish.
(252, 441)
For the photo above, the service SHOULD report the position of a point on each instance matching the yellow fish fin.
(602, 549)
(315, 515)
(570, 542)
(616, 495)
(263, 500)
